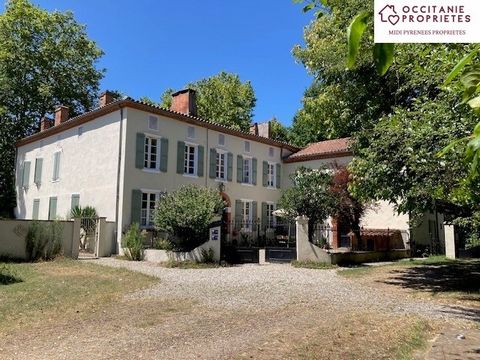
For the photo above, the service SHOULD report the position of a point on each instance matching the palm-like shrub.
(132, 243)
(86, 212)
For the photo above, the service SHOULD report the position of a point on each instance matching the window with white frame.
(153, 123)
(221, 139)
(247, 146)
(149, 200)
(152, 153)
(271, 220)
(221, 167)
(191, 132)
(247, 216)
(247, 170)
(271, 179)
(190, 160)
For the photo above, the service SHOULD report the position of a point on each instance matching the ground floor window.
(271, 219)
(149, 200)
(247, 216)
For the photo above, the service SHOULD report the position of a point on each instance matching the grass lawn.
(58, 289)
(312, 265)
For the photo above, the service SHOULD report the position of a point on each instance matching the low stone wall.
(154, 255)
(13, 232)
(359, 257)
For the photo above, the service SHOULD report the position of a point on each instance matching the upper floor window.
(247, 146)
(153, 123)
(190, 160)
(191, 132)
(271, 175)
(56, 166)
(151, 153)
(221, 139)
(247, 170)
(221, 171)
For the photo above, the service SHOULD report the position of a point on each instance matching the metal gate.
(88, 247)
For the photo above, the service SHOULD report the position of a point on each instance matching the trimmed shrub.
(208, 256)
(186, 215)
(132, 243)
(44, 240)
(163, 244)
(8, 275)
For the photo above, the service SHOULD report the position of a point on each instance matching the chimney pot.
(106, 98)
(45, 124)
(61, 114)
(185, 102)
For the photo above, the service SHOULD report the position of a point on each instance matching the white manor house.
(120, 158)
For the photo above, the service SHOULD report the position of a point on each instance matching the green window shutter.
(75, 201)
(140, 151)
(56, 166)
(26, 174)
(239, 168)
(229, 166)
(254, 171)
(201, 160)
(36, 208)
(213, 164)
(238, 214)
(38, 171)
(136, 211)
(265, 173)
(180, 157)
(163, 154)
(254, 211)
(264, 215)
(52, 208)
(278, 174)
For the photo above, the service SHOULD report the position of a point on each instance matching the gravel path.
(277, 285)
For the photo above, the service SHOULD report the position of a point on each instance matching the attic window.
(191, 132)
(221, 139)
(247, 146)
(271, 152)
(153, 123)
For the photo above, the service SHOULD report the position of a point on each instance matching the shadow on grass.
(441, 277)
(8, 276)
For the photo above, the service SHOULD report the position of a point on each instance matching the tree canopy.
(46, 59)
(222, 98)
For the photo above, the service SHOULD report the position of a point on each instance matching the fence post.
(100, 246)
(301, 235)
(77, 222)
(450, 248)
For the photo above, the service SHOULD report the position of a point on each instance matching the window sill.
(247, 184)
(191, 176)
(55, 181)
(221, 180)
(272, 188)
(151, 171)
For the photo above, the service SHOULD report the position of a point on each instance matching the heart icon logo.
(394, 19)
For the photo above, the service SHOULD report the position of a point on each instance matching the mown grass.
(312, 265)
(54, 290)
(415, 341)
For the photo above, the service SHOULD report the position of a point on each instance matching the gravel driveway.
(272, 286)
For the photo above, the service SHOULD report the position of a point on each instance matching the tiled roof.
(322, 149)
(129, 102)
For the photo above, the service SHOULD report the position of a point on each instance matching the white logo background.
(427, 21)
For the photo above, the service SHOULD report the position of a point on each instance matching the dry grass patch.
(312, 265)
(59, 289)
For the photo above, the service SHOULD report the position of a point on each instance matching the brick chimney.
(106, 98)
(45, 124)
(185, 102)
(61, 114)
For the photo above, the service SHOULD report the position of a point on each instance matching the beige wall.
(12, 238)
(169, 181)
(88, 167)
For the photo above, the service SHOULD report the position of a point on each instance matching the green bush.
(132, 243)
(208, 256)
(44, 240)
(8, 275)
(85, 212)
(163, 244)
(186, 215)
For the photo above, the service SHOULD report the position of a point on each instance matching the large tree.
(46, 59)
(223, 99)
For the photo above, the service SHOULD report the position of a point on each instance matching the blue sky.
(152, 45)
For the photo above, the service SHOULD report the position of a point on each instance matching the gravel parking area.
(274, 286)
